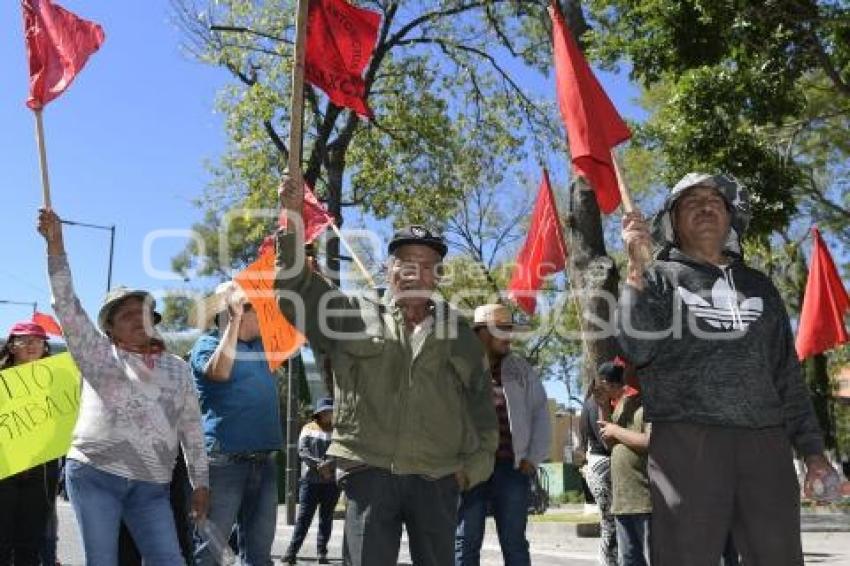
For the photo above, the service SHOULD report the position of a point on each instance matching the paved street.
(552, 544)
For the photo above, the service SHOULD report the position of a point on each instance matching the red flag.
(340, 42)
(543, 252)
(824, 304)
(316, 217)
(58, 45)
(48, 323)
(593, 125)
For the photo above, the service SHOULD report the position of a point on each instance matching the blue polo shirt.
(241, 414)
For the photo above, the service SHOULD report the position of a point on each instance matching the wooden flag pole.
(354, 256)
(629, 205)
(42, 158)
(296, 128)
(625, 195)
(296, 104)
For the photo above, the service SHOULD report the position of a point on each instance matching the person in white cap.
(524, 437)
(241, 418)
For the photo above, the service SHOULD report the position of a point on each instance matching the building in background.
(564, 432)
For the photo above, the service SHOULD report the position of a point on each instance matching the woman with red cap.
(26, 498)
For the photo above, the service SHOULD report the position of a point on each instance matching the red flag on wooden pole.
(340, 41)
(593, 125)
(58, 45)
(543, 252)
(824, 304)
(316, 218)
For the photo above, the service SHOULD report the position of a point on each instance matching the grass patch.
(558, 517)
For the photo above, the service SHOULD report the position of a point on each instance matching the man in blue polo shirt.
(241, 418)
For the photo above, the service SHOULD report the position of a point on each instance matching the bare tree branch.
(503, 38)
(241, 29)
(842, 86)
(448, 47)
(276, 139)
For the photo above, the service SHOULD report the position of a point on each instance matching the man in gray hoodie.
(721, 384)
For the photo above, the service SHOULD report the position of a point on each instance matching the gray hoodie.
(714, 344)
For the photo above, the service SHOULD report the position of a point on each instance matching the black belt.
(258, 456)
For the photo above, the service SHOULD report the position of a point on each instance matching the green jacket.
(430, 414)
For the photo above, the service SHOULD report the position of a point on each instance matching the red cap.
(27, 328)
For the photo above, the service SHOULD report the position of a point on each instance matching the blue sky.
(126, 145)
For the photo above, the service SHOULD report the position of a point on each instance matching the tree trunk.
(574, 16)
(594, 279)
(335, 167)
(820, 387)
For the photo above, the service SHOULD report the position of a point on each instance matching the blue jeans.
(101, 500)
(243, 491)
(633, 539)
(311, 496)
(507, 491)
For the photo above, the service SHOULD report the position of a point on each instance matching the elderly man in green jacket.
(414, 422)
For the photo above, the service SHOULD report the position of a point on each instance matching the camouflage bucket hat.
(737, 201)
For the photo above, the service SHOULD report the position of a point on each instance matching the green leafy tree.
(450, 114)
(176, 308)
(760, 89)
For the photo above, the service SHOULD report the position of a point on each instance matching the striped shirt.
(132, 418)
(505, 451)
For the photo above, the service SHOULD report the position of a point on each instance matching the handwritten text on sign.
(38, 409)
(280, 338)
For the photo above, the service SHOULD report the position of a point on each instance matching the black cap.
(610, 372)
(418, 235)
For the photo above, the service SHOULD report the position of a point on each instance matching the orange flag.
(280, 338)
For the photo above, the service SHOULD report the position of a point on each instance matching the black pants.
(379, 503)
(706, 481)
(26, 501)
(730, 553)
(312, 496)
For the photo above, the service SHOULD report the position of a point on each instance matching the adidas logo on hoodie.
(722, 309)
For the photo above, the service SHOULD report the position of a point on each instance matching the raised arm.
(85, 342)
(218, 366)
